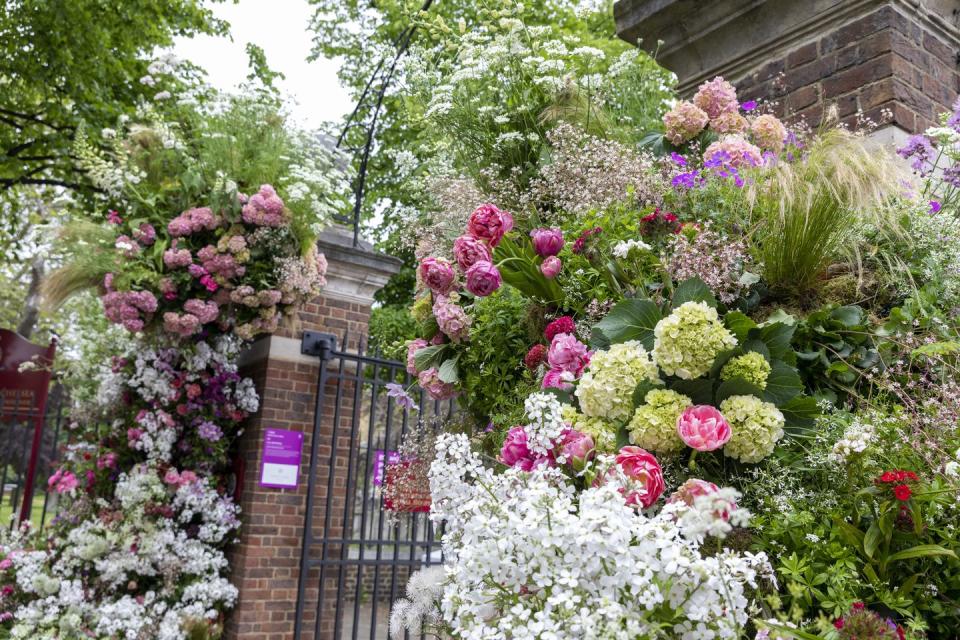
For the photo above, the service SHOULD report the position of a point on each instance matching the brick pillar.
(861, 55)
(265, 563)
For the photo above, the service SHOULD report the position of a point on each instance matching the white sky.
(279, 27)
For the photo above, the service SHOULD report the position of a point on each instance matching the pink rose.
(437, 274)
(551, 267)
(547, 242)
(646, 477)
(412, 349)
(576, 447)
(489, 223)
(566, 353)
(483, 279)
(468, 251)
(703, 428)
(514, 452)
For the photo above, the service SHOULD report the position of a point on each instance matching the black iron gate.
(356, 557)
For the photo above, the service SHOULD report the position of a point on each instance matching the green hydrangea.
(752, 367)
(654, 424)
(606, 389)
(755, 427)
(689, 340)
(603, 432)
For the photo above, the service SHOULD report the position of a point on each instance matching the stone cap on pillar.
(354, 274)
(863, 55)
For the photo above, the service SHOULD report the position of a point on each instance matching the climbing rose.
(489, 223)
(703, 428)
(547, 242)
(468, 251)
(483, 279)
(437, 274)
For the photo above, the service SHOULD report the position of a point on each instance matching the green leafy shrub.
(390, 329)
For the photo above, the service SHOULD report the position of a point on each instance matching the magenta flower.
(577, 448)
(547, 242)
(644, 474)
(62, 481)
(568, 354)
(935, 206)
(557, 379)
(468, 251)
(412, 349)
(483, 279)
(113, 217)
(145, 234)
(703, 427)
(514, 452)
(437, 274)
(551, 267)
(489, 223)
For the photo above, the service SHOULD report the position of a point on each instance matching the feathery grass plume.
(86, 249)
(809, 212)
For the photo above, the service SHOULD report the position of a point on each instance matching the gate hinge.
(316, 343)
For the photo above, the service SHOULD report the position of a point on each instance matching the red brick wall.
(884, 60)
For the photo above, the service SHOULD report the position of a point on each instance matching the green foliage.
(390, 329)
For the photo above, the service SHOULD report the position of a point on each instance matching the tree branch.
(36, 119)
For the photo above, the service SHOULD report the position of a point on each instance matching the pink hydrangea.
(729, 122)
(145, 234)
(568, 354)
(735, 151)
(221, 264)
(205, 311)
(482, 279)
(269, 297)
(684, 122)
(451, 319)
(412, 348)
(515, 453)
(716, 96)
(703, 427)
(468, 251)
(645, 478)
(182, 324)
(490, 224)
(547, 241)
(438, 275)
(430, 382)
(62, 481)
(175, 258)
(551, 267)
(129, 308)
(191, 221)
(769, 133)
(265, 208)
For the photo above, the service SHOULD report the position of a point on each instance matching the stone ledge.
(354, 274)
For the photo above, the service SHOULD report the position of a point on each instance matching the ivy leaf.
(630, 319)
(693, 290)
(783, 384)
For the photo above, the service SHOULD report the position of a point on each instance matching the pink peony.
(430, 382)
(489, 223)
(557, 379)
(646, 477)
(483, 279)
(716, 96)
(551, 267)
(451, 319)
(265, 208)
(703, 428)
(692, 489)
(568, 354)
(468, 251)
(547, 242)
(438, 275)
(412, 349)
(62, 481)
(514, 452)
(576, 448)
(684, 122)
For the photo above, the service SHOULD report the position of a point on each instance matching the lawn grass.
(36, 512)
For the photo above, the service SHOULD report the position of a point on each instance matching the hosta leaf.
(630, 319)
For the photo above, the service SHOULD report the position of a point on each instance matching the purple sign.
(281, 458)
(381, 459)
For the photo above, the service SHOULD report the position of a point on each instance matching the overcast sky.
(279, 27)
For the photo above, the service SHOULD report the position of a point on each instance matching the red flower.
(535, 356)
(563, 324)
(888, 476)
(902, 492)
(838, 623)
(857, 606)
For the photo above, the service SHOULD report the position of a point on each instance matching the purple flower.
(935, 206)
(686, 180)
(954, 120)
(677, 158)
(749, 105)
(951, 175)
(547, 242)
(551, 267)
(920, 149)
(483, 279)
(113, 217)
(404, 399)
(209, 431)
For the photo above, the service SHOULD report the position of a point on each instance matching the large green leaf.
(700, 390)
(630, 319)
(449, 372)
(736, 387)
(428, 356)
(693, 290)
(519, 267)
(739, 323)
(871, 540)
(783, 384)
(800, 413)
(849, 315)
(777, 337)
(921, 551)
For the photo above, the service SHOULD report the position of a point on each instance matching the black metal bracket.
(317, 343)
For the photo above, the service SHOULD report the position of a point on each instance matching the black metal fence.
(357, 557)
(17, 420)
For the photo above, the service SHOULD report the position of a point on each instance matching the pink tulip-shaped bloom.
(576, 448)
(551, 267)
(468, 251)
(438, 275)
(515, 453)
(483, 278)
(692, 489)
(489, 223)
(646, 478)
(568, 354)
(547, 242)
(703, 428)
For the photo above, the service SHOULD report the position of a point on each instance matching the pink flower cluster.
(132, 309)
(193, 220)
(567, 357)
(490, 224)
(175, 258)
(412, 348)
(716, 97)
(62, 481)
(515, 453)
(451, 318)
(684, 122)
(429, 380)
(219, 264)
(179, 479)
(735, 151)
(265, 208)
(438, 275)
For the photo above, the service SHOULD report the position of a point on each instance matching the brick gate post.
(265, 562)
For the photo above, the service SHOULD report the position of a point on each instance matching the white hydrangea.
(606, 389)
(755, 428)
(689, 340)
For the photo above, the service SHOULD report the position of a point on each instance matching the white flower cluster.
(546, 422)
(529, 558)
(856, 438)
(713, 514)
(419, 609)
(623, 248)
